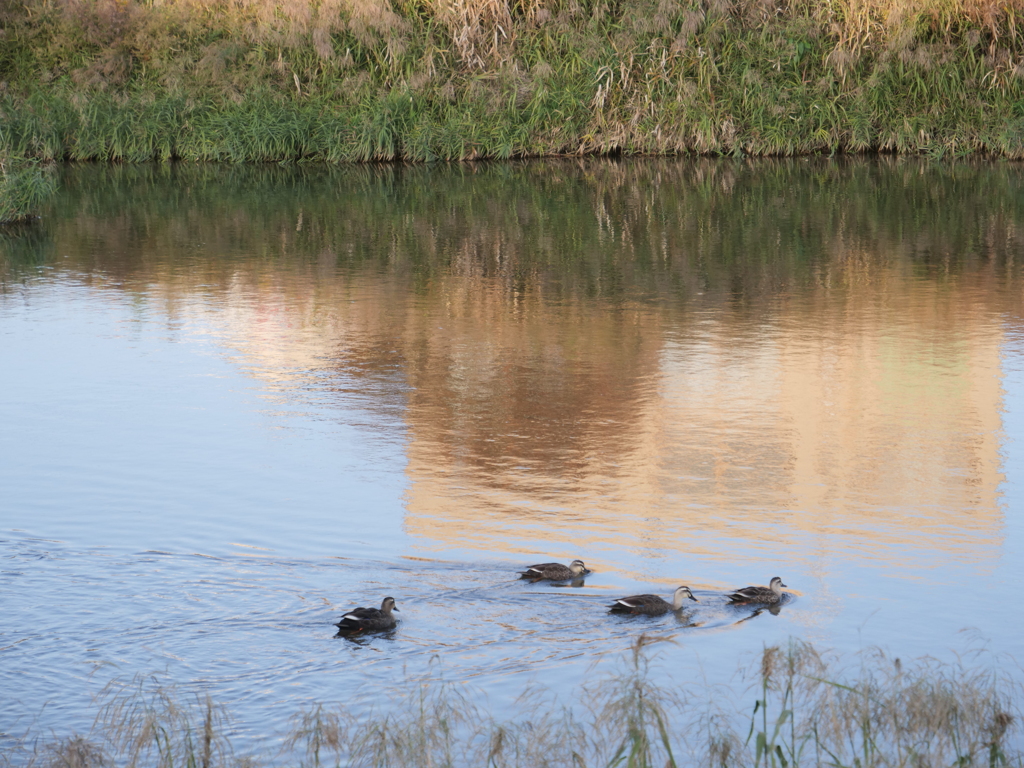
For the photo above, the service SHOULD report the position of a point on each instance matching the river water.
(238, 401)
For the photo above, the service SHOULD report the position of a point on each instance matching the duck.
(766, 595)
(369, 619)
(555, 571)
(652, 605)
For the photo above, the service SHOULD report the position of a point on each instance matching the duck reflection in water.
(775, 609)
(366, 639)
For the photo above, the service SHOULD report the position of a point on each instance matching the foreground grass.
(342, 80)
(805, 710)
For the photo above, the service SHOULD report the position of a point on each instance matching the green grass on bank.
(799, 708)
(358, 80)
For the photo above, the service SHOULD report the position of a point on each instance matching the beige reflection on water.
(861, 422)
(856, 415)
(874, 419)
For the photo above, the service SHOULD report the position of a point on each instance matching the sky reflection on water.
(237, 402)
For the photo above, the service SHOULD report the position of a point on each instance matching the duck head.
(681, 594)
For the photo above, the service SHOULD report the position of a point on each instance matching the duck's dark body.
(651, 605)
(555, 571)
(760, 595)
(369, 619)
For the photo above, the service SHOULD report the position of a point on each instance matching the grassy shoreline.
(421, 80)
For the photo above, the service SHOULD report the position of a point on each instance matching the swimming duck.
(363, 619)
(555, 571)
(767, 595)
(652, 605)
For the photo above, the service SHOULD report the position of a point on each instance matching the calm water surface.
(236, 401)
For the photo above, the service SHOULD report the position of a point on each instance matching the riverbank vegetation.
(24, 186)
(339, 80)
(622, 229)
(801, 707)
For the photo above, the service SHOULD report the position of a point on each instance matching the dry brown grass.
(809, 710)
(483, 33)
(863, 24)
(147, 724)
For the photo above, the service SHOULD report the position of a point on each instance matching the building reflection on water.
(695, 405)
